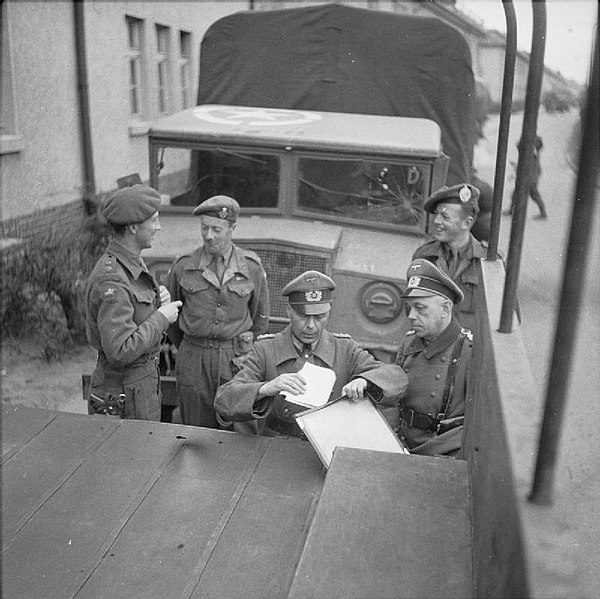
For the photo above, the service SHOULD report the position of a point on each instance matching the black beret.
(220, 207)
(426, 279)
(131, 205)
(465, 194)
(310, 293)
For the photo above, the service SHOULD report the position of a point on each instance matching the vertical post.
(573, 282)
(510, 55)
(524, 168)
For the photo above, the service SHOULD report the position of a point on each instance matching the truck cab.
(336, 192)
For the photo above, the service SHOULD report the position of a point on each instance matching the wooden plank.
(158, 549)
(23, 424)
(58, 547)
(388, 526)
(258, 550)
(46, 462)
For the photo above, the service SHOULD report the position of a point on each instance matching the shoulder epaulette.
(410, 332)
(251, 255)
(342, 335)
(265, 336)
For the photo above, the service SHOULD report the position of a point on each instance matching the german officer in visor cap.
(453, 248)
(225, 307)
(126, 311)
(436, 356)
(273, 365)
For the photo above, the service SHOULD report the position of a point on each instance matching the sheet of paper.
(319, 383)
(348, 423)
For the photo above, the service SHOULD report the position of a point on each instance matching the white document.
(346, 423)
(319, 383)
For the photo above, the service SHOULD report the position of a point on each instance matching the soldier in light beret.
(453, 248)
(225, 307)
(436, 356)
(126, 311)
(255, 393)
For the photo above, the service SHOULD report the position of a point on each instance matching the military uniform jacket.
(465, 274)
(122, 320)
(219, 311)
(238, 399)
(426, 366)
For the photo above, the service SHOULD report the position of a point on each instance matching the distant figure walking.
(533, 191)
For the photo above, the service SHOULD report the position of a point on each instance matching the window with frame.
(162, 68)
(135, 46)
(185, 56)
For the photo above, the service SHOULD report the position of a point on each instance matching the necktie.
(219, 267)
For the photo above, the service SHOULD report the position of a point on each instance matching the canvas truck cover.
(344, 59)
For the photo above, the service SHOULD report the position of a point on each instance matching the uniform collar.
(132, 262)
(285, 349)
(201, 260)
(472, 250)
(441, 343)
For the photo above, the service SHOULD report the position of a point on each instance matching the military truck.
(330, 125)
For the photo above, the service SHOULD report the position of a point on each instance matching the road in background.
(577, 485)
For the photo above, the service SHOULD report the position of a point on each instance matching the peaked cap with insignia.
(310, 293)
(222, 207)
(131, 205)
(465, 195)
(426, 279)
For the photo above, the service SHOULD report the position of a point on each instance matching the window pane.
(190, 177)
(362, 190)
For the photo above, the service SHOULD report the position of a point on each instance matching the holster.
(110, 406)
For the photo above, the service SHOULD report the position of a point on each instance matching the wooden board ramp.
(388, 526)
(97, 507)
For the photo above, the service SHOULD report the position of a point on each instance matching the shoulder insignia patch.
(265, 336)
(109, 292)
(342, 335)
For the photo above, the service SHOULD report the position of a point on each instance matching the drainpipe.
(89, 186)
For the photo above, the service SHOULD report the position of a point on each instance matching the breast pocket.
(144, 304)
(192, 284)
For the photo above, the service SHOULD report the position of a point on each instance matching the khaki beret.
(426, 279)
(131, 205)
(310, 293)
(222, 207)
(465, 195)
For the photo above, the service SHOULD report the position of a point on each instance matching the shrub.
(45, 284)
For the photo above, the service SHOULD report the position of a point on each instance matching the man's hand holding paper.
(319, 383)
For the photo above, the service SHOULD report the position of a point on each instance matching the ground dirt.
(28, 378)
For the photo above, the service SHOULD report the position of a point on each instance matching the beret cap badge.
(224, 212)
(464, 194)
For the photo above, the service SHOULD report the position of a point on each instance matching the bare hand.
(355, 389)
(165, 296)
(291, 382)
(170, 311)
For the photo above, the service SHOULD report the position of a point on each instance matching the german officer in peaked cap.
(225, 307)
(453, 248)
(436, 356)
(272, 367)
(126, 311)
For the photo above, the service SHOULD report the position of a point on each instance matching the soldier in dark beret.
(255, 393)
(453, 248)
(436, 356)
(126, 311)
(225, 307)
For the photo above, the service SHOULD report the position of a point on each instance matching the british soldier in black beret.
(225, 307)
(272, 367)
(126, 311)
(453, 248)
(436, 356)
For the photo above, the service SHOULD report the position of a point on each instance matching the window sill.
(138, 128)
(11, 144)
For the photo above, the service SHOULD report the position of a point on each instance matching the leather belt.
(209, 342)
(427, 422)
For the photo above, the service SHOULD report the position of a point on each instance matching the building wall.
(42, 167)
(46, 171)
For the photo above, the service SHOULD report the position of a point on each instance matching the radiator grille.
(281, 267)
